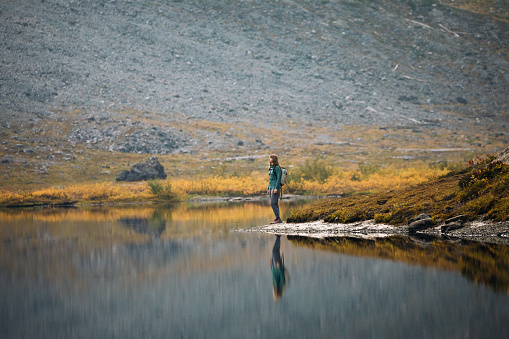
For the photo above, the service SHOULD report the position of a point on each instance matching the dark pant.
(274, 201)
(276, 254)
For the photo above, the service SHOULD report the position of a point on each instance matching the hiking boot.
(277, 221)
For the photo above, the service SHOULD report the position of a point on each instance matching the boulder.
(151, 169)
(453, 223)
(6, 159)
(459, 218)
(420, 223)
(504, 156)
(451, 226)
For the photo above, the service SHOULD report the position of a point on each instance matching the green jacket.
(274, 177)
(278, 276)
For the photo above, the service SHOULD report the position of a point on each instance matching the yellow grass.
(340, 182)
(84, 193)
(344, 182)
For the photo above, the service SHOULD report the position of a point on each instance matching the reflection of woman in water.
(277, 266)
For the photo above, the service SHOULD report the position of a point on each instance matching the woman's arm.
(279, 172)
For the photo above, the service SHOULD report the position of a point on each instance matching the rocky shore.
(479, 231)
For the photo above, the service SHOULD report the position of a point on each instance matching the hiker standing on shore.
(274, 189)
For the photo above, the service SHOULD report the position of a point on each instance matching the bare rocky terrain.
(127, 74)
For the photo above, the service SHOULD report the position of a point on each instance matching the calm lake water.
(184, 271)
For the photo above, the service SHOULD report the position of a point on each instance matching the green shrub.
(317, 170)
(355, 176)
(155, 187)
(161, 190)
(367, 169)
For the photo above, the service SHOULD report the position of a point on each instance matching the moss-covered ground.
(482, 190)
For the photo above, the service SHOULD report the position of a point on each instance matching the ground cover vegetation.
(358, 160)
(309, 181)
(323, 160)
(480, 190)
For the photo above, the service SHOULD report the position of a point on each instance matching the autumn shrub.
(368, 169)
(316, 177)
(253, 184)
(316, 169)
(346, 182)
(485, 175)
(10, 198)
(162, 189)
(484, 190)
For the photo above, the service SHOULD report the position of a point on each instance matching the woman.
(274, 189)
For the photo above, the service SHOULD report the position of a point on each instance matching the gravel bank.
(479, 231)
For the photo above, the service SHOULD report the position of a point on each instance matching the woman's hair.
(275, 161)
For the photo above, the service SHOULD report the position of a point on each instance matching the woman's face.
(270, 160)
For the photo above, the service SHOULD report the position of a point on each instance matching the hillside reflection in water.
(182, 271)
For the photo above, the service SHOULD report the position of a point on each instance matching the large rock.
(420, 223)
(6, 159)
(453, 223)
(151, 169)
(504, 156)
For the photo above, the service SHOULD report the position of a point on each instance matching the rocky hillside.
(127, 75)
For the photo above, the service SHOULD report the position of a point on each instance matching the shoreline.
(483, 231)
(478, 231)
(196, 199)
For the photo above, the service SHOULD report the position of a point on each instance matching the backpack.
(284, 173)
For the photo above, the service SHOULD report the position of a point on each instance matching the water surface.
(185, 271)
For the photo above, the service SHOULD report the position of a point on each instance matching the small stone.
(461, 100)
(503, 156)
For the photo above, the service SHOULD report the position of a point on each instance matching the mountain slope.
(188, 76)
